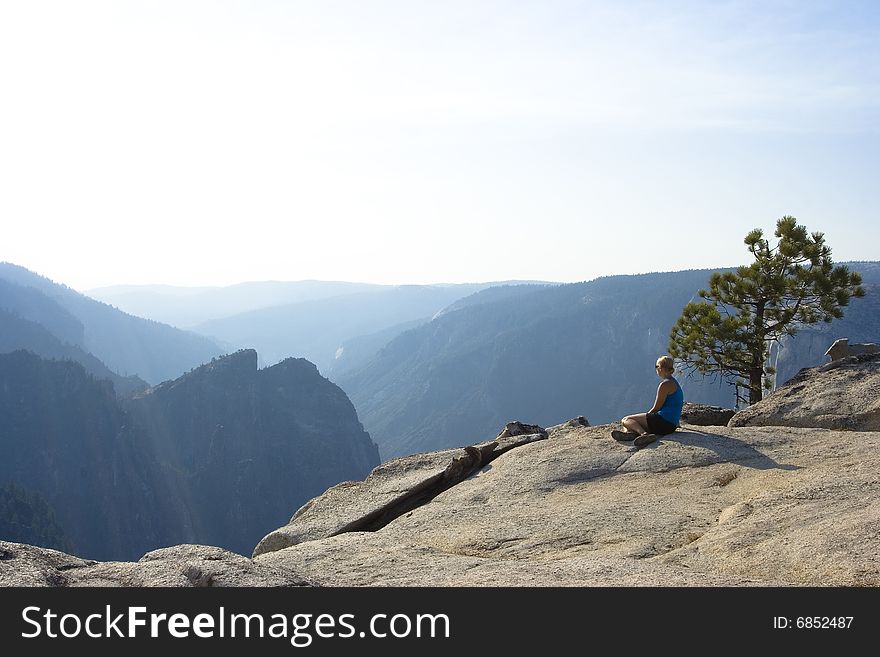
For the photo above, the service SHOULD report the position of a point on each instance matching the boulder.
(579, 421)
(704, 415)
(842, 348)
(843, 394)
(517, 428)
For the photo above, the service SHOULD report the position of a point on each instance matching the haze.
(207, 143)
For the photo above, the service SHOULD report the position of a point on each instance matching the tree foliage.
(27, 518)
(789, 285)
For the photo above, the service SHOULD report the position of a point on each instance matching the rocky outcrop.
(842, 349)
(704, 415)
(517, 428)
(394, 488)
(843, 394)
(743, 506)
(579, 421)
(178, 566)
(26, 565)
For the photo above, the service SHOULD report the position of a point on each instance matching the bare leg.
(636, 423)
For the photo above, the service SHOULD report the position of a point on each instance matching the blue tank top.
(671, 409)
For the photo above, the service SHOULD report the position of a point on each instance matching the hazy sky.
(200, 143)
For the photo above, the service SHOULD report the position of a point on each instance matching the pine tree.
(27, 518)
(789, 285)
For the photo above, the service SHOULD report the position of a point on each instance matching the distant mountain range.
(333, 324)
(186, 307)
(17, 333)
(127, 345)
(546, 354)
(316, 329)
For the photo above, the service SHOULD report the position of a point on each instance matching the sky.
(414, 141)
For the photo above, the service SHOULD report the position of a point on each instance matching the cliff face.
(63, 436)
(218, 456)
(861, 323)
(250, 444)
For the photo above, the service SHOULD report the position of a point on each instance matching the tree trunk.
(756, 373)
(756, 391)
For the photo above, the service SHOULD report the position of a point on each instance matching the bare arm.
(663, 390)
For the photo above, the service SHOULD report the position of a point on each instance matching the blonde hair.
(666, 364)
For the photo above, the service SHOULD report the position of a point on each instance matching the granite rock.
(704, 415)
(177, 566)
(843, 394)
(727, 506)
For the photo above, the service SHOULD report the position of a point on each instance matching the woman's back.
(672, 405)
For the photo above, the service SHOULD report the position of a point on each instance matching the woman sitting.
(664, 416)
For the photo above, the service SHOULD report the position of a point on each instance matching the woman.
(665, 414)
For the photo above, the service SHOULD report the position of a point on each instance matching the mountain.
(22, 334)
(537, 354)
(127, 345)
(29, 303)
(250, 444)
(316, 329)
(218, 455)
(185, 307)
(64, 437)
(356, 352)
(543, 354)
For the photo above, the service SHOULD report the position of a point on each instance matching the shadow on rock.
(728, 449)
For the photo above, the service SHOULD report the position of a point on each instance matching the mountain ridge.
(126, 344)
(217, 455)
(551, 353)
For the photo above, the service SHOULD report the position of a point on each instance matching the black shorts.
(659, 425)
